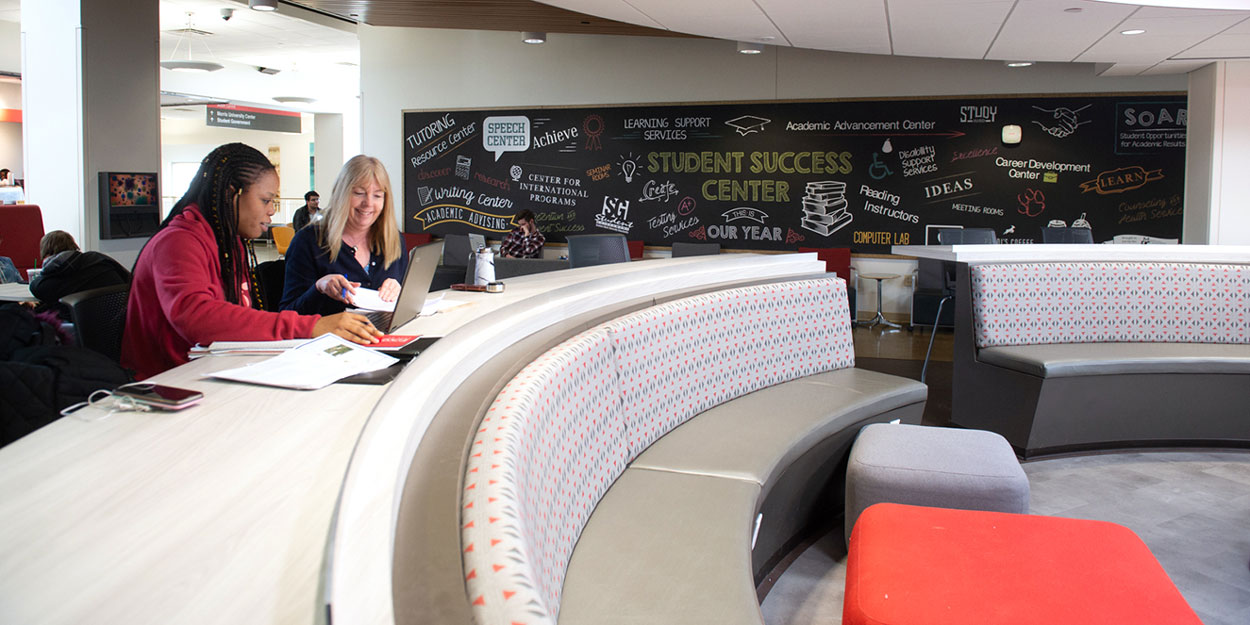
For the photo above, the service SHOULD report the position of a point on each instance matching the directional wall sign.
(251, 118)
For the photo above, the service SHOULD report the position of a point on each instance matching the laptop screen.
(422, 261)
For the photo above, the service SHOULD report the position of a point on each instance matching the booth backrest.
(559, 433)
(681, 358)
(1097, 302)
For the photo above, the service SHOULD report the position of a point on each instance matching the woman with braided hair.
(193, 280)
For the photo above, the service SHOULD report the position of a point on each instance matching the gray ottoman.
(931, 466)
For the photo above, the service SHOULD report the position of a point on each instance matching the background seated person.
(66, 270)
(306, 213)
(193, 280)
(357, 244)
(524, 241)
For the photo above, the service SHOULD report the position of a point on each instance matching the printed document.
(314, 364)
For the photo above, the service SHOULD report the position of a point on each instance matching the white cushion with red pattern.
(568, 424)
(683, 357)
(547, 449)
(1046, 303)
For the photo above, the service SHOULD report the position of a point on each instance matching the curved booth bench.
(1077, 356)
(393, 554)
(655, 467)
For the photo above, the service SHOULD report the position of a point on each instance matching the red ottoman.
(934, 566)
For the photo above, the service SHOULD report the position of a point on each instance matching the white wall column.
(91, 102)
(328, 139)
(1218, 155)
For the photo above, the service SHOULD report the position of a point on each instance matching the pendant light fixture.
(190, 64)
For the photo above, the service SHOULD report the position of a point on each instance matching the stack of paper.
(824, 207)
(314, 364)
(245, 348)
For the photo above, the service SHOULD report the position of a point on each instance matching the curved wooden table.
(221, 513)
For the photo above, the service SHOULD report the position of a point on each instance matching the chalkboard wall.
(775, 176)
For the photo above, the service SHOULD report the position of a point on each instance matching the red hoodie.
(177, 301)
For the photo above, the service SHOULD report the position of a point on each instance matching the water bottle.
(484, 269)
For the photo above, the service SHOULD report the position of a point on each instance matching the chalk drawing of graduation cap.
(747, 124)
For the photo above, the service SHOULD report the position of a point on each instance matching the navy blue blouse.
(306, 262)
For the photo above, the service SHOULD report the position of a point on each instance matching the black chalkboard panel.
(775, 176)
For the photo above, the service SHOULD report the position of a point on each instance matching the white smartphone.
(159, 396)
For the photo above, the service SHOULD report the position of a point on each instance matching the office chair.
(456, 250)
(636, 249)
(681, 249)
(99, 316)
(966, 236)
(1067, 235)
(282, 236)
(953, 236)
(412, 240)
(21, 229)
(272, 277)
(586, 250)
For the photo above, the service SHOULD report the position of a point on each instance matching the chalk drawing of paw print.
(1032, 202)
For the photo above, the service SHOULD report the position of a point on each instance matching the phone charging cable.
(99, 398)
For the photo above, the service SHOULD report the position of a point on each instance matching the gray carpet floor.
(1191, 508)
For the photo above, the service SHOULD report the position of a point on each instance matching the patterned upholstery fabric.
(566, 426)
(1041, 303)
(546, 451)
(683, 357)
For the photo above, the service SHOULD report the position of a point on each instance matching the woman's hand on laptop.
(351, 326)
(336, 286)
(390, 290)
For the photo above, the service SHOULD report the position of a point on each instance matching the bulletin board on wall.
(863, 174)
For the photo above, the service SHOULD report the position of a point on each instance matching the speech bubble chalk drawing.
(509, 133)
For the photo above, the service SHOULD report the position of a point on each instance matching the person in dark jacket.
(67, 270)
(305, 214)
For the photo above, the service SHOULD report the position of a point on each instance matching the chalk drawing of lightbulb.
(887, 147)
(629, 166)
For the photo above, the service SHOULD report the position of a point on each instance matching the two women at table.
(193, 281)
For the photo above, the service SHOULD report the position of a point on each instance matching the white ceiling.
(317, 55)
(1084, 31)
(315, 59)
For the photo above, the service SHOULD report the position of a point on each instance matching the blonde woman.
(356, 245)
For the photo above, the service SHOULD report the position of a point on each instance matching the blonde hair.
(383, 234)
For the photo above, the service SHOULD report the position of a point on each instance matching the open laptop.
(422, 261)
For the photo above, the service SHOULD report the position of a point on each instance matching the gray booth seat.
(1066, 357)
(686, 506)
(1079, 359)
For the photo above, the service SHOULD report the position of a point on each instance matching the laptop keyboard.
(379, 318)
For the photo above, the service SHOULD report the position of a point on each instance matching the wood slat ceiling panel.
(509, 15)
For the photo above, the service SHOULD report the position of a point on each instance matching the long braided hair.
(221, 179)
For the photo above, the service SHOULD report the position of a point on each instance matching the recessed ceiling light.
(746, 47)
(263, 5)
(1133, 31)
(534, 37)
(1018, 63)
